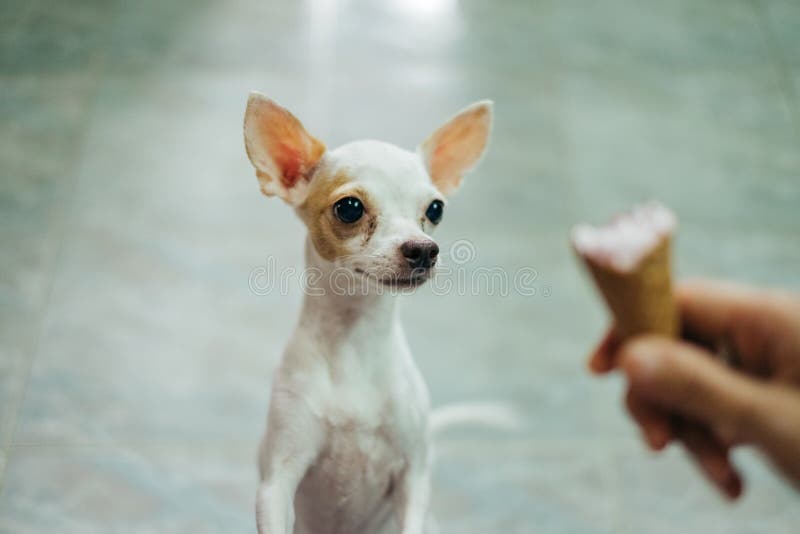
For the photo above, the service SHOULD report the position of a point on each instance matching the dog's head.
(369, 206)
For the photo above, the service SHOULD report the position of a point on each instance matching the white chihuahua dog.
(346, 449)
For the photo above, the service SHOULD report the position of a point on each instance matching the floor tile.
(520, 486)
(152, 489)
(647, 482)
(706, 144)
(55, 38)
(143, 272)
(665, 37)
(41, 134)
(782, 17)
(755, 257)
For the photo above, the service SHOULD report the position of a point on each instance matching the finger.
(746, 319)
(711, 457)
(709, 307)
(776, 429)
(655, 424)
(680, 377)
(602, 358)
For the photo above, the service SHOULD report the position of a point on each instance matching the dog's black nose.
(420, 254)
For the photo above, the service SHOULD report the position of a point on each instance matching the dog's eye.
(348, 210)
(435, 210)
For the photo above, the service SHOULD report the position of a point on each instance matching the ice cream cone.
(641, 300)
(629, 260)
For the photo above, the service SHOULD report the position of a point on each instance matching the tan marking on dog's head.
(331, 237)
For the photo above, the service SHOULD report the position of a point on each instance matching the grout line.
(784, 79)
(56, 235)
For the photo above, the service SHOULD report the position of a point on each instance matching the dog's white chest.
(353, 484)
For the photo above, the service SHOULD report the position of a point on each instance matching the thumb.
(684, 378)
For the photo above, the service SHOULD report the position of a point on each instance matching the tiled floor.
(134, 358)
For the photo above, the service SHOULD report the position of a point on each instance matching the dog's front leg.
(292, 443)
(414, 497)
(275, 503)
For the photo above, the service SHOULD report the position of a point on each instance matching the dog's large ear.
(457, 146)
(279, 147)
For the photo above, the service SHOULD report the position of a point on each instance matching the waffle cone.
(641, 300)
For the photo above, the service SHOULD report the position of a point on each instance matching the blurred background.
(135, 356)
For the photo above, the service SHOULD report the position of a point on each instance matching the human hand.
(685, 390)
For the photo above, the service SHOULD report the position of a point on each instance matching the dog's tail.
(494, 414)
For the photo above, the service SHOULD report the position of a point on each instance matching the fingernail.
(659, 437)
(651, 438)
(597, 364)
(734, 486)
(719, 471)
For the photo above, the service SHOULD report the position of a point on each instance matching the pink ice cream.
(621, 244)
